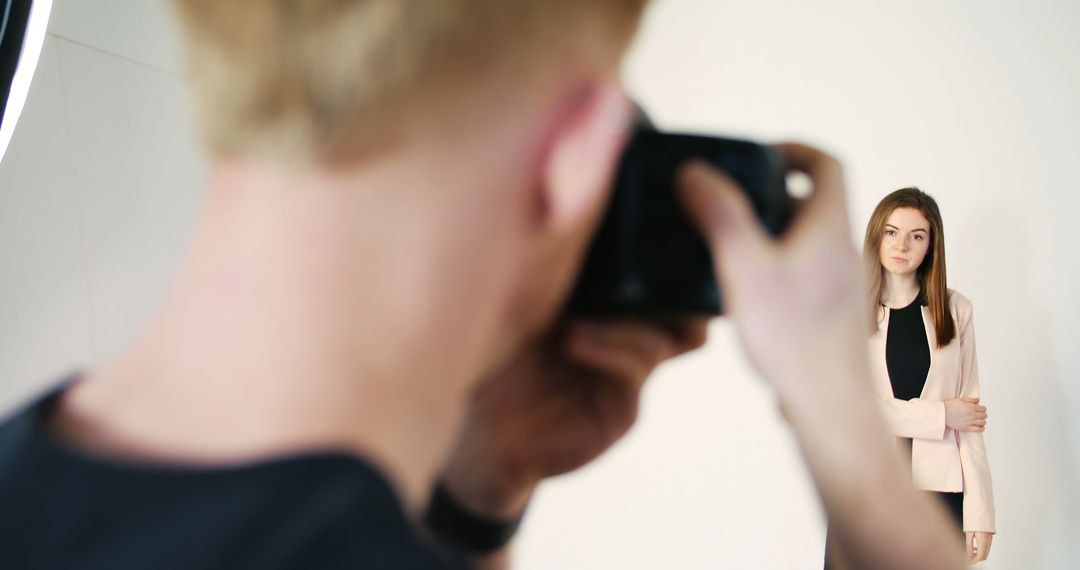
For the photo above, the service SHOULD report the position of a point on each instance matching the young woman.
(922, 348)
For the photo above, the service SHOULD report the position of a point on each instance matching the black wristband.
(452, 522)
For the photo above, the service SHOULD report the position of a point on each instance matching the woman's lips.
(899, 260)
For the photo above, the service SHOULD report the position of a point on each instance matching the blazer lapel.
(931, 341)
(877, 355)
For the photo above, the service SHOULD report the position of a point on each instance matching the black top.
(907, 351)
(60, 508)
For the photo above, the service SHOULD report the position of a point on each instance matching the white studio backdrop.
(975, 102)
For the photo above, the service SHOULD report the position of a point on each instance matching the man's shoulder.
(317, 510)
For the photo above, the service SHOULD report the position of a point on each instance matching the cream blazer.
(941, 459)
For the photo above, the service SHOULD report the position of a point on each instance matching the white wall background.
(975, 101)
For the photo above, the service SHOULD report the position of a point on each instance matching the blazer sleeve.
(915, 418)
(978, 489)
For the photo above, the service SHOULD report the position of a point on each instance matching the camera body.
(647, 260)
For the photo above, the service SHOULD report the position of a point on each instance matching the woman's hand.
(977, 546)
(965, 414)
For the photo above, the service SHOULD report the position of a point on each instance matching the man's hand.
(965, 414)
(797, 300)
(800, 307)
(556, 406)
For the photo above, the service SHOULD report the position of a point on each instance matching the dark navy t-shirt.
(61, 508)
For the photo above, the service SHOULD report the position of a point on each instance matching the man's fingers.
(627, 350)
(721, 211)
(825, 171)
(627, 370)
(814, 162)
(689, 336)
(827, 202)
(653, 341)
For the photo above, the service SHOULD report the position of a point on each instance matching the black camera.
(647, 260)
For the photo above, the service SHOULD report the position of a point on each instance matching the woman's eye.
(890, 232)
(919, 238)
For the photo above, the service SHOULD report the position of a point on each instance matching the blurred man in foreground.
(367, 329)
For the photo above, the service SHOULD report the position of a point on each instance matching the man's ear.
(584, 149)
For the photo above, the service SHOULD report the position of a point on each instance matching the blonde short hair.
(330, 79)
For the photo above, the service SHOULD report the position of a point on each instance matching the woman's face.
(906, 241)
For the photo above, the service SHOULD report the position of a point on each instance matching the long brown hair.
(931, 274)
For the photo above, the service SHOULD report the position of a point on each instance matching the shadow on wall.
(1031, 457)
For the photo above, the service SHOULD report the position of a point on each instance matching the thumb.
(723, 214)
(972, 400)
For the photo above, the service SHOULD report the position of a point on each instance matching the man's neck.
(308, 317)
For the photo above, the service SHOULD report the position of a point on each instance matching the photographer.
(402, 194)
